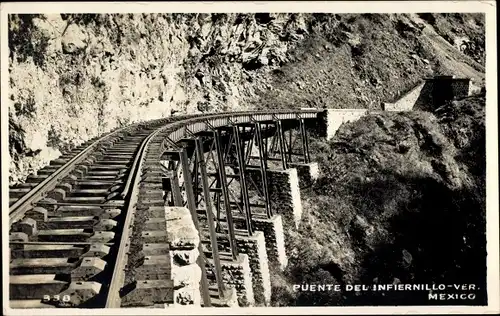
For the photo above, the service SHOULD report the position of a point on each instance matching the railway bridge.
(186, 210)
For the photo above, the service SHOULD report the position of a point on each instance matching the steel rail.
(169, 126)
(116, 283)
(17, 210)
(112, 297)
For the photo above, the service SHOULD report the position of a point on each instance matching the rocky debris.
(183, 257)
(185, 298)
(400, 142)
(408, 28)
(407, 257)
(365, 52)
(186, 275)
(73, 40)
(464, 31)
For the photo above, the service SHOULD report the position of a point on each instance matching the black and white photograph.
(249, 157)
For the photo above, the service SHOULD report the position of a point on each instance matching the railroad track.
(68, 223)
(93, 221)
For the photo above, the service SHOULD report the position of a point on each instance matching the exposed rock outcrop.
(76, 76)
(73, 77)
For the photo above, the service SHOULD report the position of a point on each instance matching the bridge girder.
(197, 165)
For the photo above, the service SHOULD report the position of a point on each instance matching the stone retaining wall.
(406, 102)
(330, 120)
(461, 87)
(432, 93)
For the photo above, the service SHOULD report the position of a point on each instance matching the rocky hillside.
(397, 181)
(401, 199)
(73, 77)
(465, 31)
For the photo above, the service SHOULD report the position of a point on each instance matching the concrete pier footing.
(308, 173)
(284, 194)
(274, 238)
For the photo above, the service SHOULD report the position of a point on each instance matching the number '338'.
(64, 298)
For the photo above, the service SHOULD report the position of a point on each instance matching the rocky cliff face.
(73, 77)
(77, 76)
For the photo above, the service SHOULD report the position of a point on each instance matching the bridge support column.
(183, 241)
(273, 235)
(275, 239)
(284, 191)
(259, 276)
(236, 275)
(285, 195)
(285, 199)
(307, 173)
(180, 160)
(255, 247)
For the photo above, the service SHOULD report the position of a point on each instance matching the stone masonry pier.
(224, 167)
(183, 240)
(308, 173)
(236, 274)
(256, 274)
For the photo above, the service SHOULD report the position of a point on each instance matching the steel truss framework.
(203, 168)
